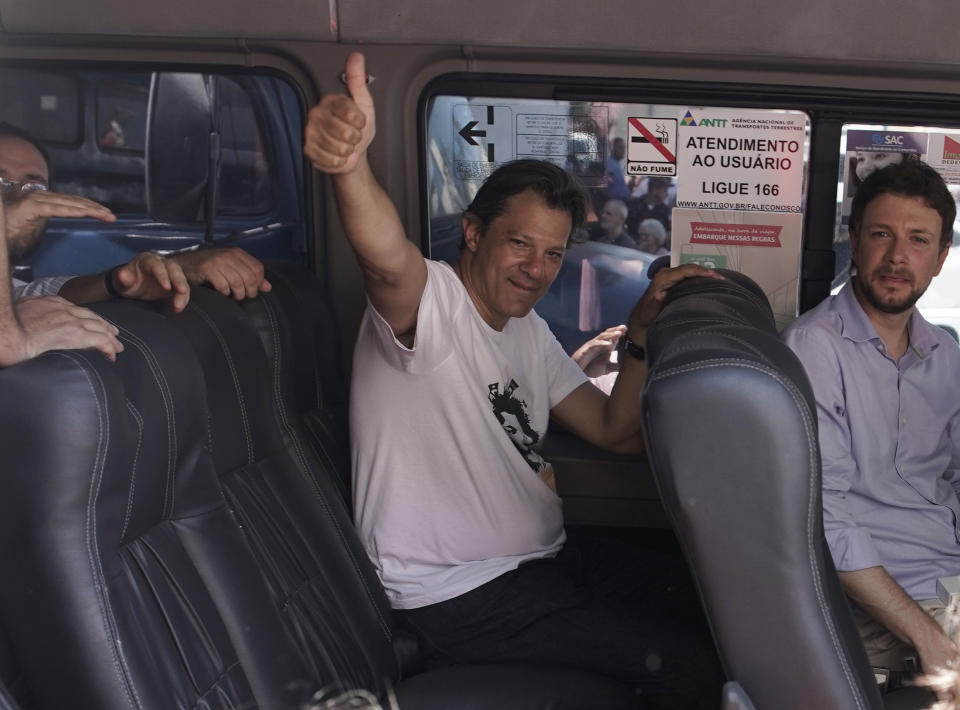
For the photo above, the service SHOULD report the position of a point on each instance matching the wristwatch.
(631, 348)
(108, 282)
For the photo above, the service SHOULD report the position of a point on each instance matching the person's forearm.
(372, 224)
(85, 289)
(876, 592)
(622, 415)
(633, 444)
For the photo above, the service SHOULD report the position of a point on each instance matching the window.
(714, 185)
(868, 147)
(122, 113)
(46, 104)
(246, 187)
(95, 125)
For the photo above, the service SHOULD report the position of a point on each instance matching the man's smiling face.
(514, 261)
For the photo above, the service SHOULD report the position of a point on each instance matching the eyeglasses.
(10, 189)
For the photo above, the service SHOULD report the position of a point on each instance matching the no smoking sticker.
(651, 146)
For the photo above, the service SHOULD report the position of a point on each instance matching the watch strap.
(108, 282)
(634, 350)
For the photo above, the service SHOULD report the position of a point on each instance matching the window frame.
(828, 108)
(289, 173)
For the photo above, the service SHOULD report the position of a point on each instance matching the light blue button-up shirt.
(889, 441)
(46, 286)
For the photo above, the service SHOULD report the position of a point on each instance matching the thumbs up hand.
(340, 127)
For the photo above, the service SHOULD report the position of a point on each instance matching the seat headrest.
(735, 299)
(706, 319)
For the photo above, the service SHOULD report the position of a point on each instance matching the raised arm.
(614, 422)
(339, 131)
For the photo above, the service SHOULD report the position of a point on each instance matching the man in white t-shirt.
(455, 379)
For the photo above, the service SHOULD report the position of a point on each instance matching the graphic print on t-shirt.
(511, 412)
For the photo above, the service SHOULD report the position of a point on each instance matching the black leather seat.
(293, 517)
(308, 352)
(6, 699)
(286, 501)
(12, 687)
(130, 581)
(731, 430)
(127, 582)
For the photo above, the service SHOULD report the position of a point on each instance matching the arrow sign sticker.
(468, 133)
(482, 139)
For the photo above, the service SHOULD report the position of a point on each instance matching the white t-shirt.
(449, 487)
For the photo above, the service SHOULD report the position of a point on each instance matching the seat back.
(310, 365)
(127, 580)
(6, 699)
(12, 686)
(731, 430)
(286, 499)
(352, 605)
(137, 568)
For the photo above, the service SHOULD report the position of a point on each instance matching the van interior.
(177, 526)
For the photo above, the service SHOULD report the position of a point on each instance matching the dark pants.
(600, 605)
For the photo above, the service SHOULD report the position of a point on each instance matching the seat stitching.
(163, 387)
(133, 478)
(318, 388)
(810, 429)
(103, 438)
(215, 687)
(304, 467)
(232, 368)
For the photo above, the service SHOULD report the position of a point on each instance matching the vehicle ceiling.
(919, 32)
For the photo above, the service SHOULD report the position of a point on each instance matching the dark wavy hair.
(558, 188)
(910, 178)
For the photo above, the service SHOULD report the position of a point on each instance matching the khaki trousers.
(887, 651)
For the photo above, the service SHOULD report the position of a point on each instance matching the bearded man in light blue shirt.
(887, 385)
